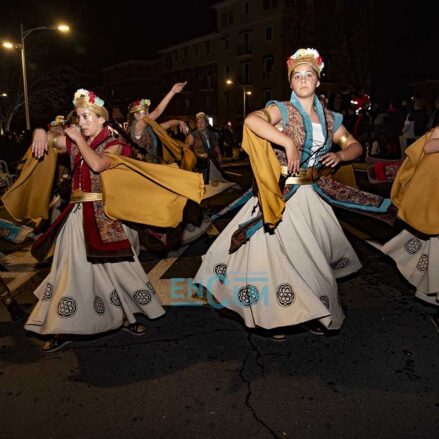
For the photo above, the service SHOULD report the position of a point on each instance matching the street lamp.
(24, 34)
(245, 93)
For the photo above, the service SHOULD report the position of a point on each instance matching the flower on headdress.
(89, 97)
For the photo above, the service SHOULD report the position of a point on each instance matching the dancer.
(277, 261)
(415, 192)
(204, 142)
(96, 282)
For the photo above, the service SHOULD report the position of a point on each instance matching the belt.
(304, 175)
(78, 196)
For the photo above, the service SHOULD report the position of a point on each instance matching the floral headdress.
(59, 120)
(142, 104)
(87, 99)
(305, 56)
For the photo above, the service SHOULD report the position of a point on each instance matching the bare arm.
(96, 162)
(432, 144)
(176, 123)
(350, 148)
(177, 88)
(262, 123)
(42, 140)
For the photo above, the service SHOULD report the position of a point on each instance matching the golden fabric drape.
(178, 149)
(415, 191)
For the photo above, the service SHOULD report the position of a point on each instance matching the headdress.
(87, 99)
(305, 56)
(142, 104)
(59, 120)
(200, 115)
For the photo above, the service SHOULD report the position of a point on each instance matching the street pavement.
(199, 373)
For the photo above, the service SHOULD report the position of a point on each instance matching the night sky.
(406, 39)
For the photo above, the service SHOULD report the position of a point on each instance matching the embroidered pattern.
(285, 295)
(248, 295)
(142, 297)
(48, 292)
(341, 263)
(412, 246)
(221, 272)
(114, 298)
(66, 307)
(99, 306)
(422, 263)
(325, 301)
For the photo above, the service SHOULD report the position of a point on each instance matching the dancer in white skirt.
(204, 142)
(277, 261)
(415, 192)
(96, 282)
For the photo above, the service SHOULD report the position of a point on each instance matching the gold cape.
(266, 169)
(415, 191)
(133, 191)
(179, 150)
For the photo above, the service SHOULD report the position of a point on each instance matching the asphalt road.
(199, 373)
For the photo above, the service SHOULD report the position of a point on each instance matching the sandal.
(55, 344)
(135, 328)
(279, 337)
(314, 328)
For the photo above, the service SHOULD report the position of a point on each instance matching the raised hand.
(178, 87)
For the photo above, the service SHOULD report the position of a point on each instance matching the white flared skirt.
(286, 277)
(80, 297)
(418, 261)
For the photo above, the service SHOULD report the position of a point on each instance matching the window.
(227, 18)
(246, 72)
(227, 99)
(268, 33)
(168, 61)
(227, 71)
(185, 54)
(226, 41)
(207, 47)
(246, 9)
(268, 65)
(196, 51)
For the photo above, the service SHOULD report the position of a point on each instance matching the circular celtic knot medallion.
(66, 307)
(248, 295)
(325, 301)
(422, 263)
(221, 272)
(412, 245)
(99, 305)
(142, 297)
(341, 263)
(190, 228)
(48, 291)
(114, 298)
(285, 295)
(150, 288)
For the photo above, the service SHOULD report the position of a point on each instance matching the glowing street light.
(4, 95)
(245, 93)
(23, 35)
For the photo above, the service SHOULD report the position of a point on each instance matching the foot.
(278, 337)
(134, 328)
(314, 328)
(56, 343)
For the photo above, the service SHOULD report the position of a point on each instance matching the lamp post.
(23, 35)
(245, 93)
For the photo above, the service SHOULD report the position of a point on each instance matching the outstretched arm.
(42, 140)
(176, 123)
(262, 123)
(177, 88)
(432, 144)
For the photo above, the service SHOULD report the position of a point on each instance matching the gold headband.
(83, 102)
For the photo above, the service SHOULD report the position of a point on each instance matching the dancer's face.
(304, 81)
(201, 123)
(90, 123)
(139, 115)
